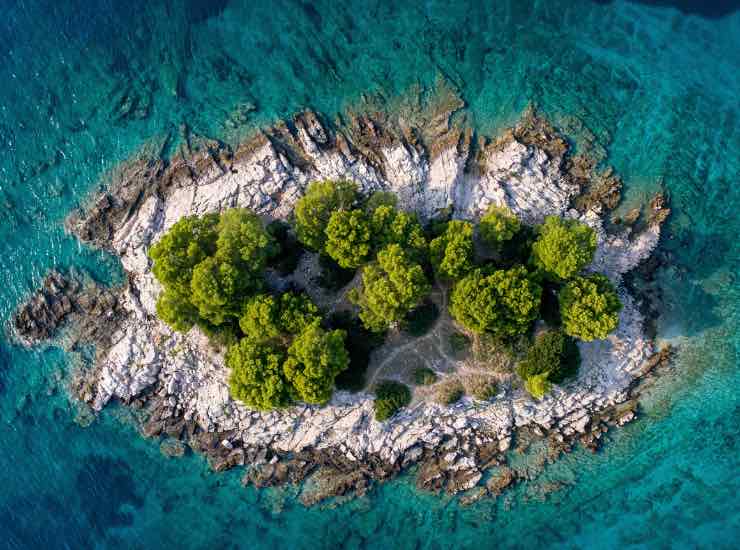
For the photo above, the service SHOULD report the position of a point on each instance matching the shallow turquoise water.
(656, 87)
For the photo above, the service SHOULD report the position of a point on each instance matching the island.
(333, 302)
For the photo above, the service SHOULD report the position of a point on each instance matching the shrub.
(554, 354)
(256, 376)
(537, 385)
(449, 391)
(390, 397)
(220, 288)
(589, 307)
(452, 252)
(421, 319)
(563, 248)
(348, 238)
(314, 360)
(313, 210)
(498, 225)
(424, 376)
(176, 310)
(390, 288)
(480, 386)
(260, 319)
(504, 302)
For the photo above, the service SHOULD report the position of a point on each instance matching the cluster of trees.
(281, 350)
(389, 246)
(211, 270)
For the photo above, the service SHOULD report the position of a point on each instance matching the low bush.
(424, 376)
(449, 391)
(390, 397)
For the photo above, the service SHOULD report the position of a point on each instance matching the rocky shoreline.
(177, 383)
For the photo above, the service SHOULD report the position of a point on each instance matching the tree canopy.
(188, 242)
(391, 226)
(256, 375)
(313, 210)
(391, 287)
(589, 307)
(452, 252)
(208, 266)
(498, 225)
(314, 360)
(563, 248)
(503, 302)
(348, 238)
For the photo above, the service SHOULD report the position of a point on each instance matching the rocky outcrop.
(180, 381)
(74, 301)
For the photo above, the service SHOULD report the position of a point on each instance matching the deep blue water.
(657, 87)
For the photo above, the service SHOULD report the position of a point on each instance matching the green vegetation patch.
(390, 397)
(280, 348)
(424, 376)
(553, 358)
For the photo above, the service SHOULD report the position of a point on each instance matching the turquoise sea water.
(86, 83)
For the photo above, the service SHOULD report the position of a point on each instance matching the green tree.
(187, 243)
(243, 241)
(297, 312)
(313, 210)
(498, 225)
(260, 318)
(391, 287)
(552, 353)
(220, 288)
(589, 307)
(390, 397)
(390, 226)
(452, 252)
(381, 198)
(314, 360)
(256, 376)
(267, 317)
(563, 248)
(348, 238)
(176, 310)
(504, 302)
